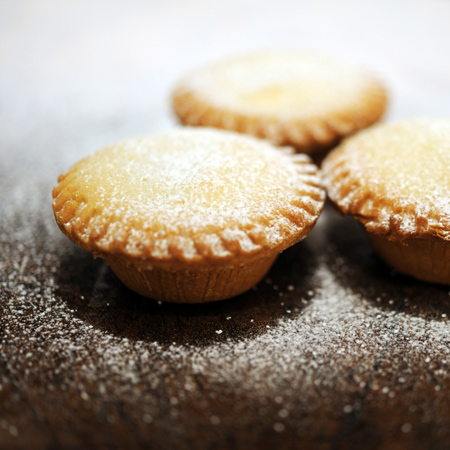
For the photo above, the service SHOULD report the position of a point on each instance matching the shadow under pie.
(100, 299)
(364, 273)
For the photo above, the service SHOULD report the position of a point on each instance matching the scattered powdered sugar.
(346, 341)
(337, 340)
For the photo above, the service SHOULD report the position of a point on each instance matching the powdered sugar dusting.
(395, 175)
(189, 193)
(284, 83)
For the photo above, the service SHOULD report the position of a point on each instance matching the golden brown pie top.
(395, 178)
(196, 196)
(289, 97)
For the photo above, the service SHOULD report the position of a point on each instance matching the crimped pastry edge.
(380, 216)
(308, 135)
(297, 221)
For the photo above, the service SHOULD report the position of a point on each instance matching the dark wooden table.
(332, 350)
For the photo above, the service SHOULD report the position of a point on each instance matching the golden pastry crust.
(190, 199)
(290, 98)
(394, 178)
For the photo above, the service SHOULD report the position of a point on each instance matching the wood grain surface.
(332, 350)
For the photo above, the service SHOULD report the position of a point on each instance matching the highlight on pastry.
(394, 179)
(189, 215)
(295, 98)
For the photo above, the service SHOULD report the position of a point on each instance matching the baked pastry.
(291, 98)
(394, 179)
(191, 215)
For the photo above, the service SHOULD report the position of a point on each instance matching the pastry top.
(395, 178)
(195, 196)
(289, 97)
